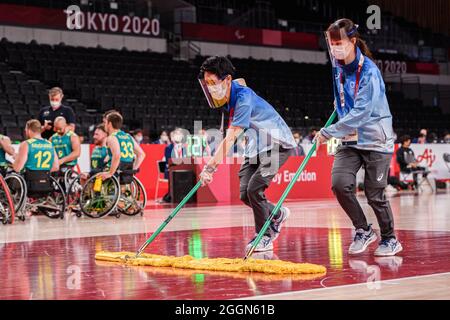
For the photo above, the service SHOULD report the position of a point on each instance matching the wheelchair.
(123, 193)
(69, 179)
(7, 207)
(36, 192)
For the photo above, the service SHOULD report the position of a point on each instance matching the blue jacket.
(263, 125)
(369, 114)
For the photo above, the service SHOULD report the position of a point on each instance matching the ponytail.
(362, 45)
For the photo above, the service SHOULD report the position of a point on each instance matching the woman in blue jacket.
(365, 129)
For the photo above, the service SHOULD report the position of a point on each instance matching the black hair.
(352, 32)
(218, 65)
(404, 138)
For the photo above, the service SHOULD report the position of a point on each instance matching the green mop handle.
(170, 217)
(286, 192)
(174, 213)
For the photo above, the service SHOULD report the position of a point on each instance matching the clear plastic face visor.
(339, 44)
(216, 95)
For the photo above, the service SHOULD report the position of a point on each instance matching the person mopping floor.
(269, 142)
(365, 129)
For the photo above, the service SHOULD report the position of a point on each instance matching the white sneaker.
(266, 244)
(362, 240)
(388, 248)
(276, 224)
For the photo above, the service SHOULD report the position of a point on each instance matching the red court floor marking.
(66, 269)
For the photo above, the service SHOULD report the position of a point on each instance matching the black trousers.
(347, 163)
(255, 176)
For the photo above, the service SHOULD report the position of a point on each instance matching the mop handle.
(286, 192)
(170, 217)
(174, 213)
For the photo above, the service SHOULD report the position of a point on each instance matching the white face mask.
(139, 139)
(164, 138)
(218, 91)
(55, 104)
(177, 138)
(341, 52)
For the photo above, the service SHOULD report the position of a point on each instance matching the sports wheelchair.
(69, 179)
(36, 192)
(7, 208)
(123, 193)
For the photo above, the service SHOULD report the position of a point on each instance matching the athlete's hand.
(105, 175)
(84, 175)
(47, 124)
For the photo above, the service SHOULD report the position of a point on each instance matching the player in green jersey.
(66, 142)
(124, 151)
(36, 153)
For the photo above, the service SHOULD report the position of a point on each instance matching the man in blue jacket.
(269, 142)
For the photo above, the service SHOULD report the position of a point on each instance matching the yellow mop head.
(213, 264)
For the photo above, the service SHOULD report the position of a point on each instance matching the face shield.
(339, 44)
(216, 94)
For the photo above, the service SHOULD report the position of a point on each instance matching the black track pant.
(347, 163)
(255, 176)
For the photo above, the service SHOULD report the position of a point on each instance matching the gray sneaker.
(362, 240)
(388, 248)
(266, 244)
(276, 224)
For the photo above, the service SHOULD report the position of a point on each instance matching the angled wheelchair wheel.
(18, 190)
(7, 209)
(98, 204)
(133, 198)
(52, 204)
(73, 194)
(69, 177)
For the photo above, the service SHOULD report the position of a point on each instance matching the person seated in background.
(5, 148)
(433, 138)
(138, 135)
(100, 160)
(163, 138)
(67, 144)
(175, 150)
(36, 153)
(407, 160)
(298, 151)
(446, 138)
(422, 139)
(308, 139)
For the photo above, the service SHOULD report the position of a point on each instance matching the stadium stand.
(155, 92)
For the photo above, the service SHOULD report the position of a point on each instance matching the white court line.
(291, 293)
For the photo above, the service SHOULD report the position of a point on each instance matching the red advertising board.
(262, 37)
(29, 16)
(314, 182)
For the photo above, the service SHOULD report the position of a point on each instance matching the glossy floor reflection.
(66, 269)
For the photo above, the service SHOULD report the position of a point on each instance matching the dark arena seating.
(155, 92)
